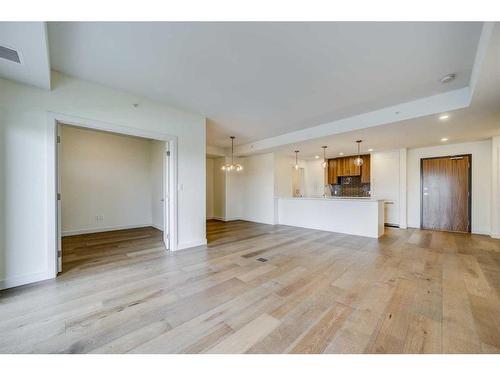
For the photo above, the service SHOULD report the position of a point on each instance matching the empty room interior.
(111, 197)
(250, 187)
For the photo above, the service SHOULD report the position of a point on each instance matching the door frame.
(170, 173)
(469, 198)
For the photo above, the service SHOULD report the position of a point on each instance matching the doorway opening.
(112, 191)
(104, 209)
(446, 193)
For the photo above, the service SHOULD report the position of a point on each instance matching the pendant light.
(325, 163)
(296, 159)
(229, 167)
(358, 162)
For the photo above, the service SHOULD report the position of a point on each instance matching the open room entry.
(137, 209)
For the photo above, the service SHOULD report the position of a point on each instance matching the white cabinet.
(385, 183)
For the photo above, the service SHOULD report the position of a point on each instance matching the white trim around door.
(170, 191)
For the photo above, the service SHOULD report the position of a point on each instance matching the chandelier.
(229, 167)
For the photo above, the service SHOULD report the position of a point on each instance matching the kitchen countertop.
(330, 198)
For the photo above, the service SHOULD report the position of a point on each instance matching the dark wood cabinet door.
(365, 169)
(445, 203)
(332, 171)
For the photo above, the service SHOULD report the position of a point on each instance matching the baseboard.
(156, 227)
(495, 235)
(24, 279)
(220, 218)
(259, 222)
(188, 244)
(232, 218)
(106, 229)
(486, 233)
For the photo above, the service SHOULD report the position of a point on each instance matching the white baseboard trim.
(188, 244)
(220, 218)
(156, 227)
(106, 229)
(495, 235)
(258, 221)
(481, 232)
(25, 279)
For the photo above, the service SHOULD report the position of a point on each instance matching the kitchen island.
(350, 215)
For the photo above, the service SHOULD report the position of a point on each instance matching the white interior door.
(58, 200)
(166, 197)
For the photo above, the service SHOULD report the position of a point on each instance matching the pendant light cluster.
(296, 160)
(229, 167)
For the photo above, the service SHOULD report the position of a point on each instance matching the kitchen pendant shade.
(325, 163)
(229, 167)
(358, 161)
(296, 160)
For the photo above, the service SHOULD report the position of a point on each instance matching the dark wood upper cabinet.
(365, 169)
(345, 166)
(333, 171)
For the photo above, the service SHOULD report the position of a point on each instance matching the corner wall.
(24, 249)
(106, 181)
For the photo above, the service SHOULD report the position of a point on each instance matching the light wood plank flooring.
(410, 291)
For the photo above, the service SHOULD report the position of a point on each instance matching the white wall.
(219, 189)
(385, 179)
(24, 250)
(157, 149)
(315, 178)
(257, 194)
(105, 181)
(283, 172)
(210, 188)
(234, 192)
(283, 176)
(495, 187)
(481, 181)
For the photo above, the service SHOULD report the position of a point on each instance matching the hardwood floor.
(410, 291)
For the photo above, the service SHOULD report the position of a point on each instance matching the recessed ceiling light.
(444, 139)
(448, 78)
(341, 153)
(444, 117)
(370, 149)
(316, 156)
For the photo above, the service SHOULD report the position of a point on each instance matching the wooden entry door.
(445, 200)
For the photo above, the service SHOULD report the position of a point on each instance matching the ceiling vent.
(9, 54)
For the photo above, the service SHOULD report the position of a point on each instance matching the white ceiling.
(259, 80)
(478, 121)
(30, 40)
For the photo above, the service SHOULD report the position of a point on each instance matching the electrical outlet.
(99, 217)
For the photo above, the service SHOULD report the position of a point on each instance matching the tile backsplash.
(350, 187)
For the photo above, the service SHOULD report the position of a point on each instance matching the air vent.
(9, 54)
